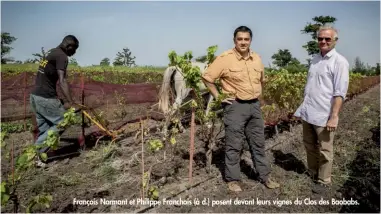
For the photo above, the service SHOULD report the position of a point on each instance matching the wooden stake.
(83, 115)
(191, 146)
(142, 132)
(25, 83)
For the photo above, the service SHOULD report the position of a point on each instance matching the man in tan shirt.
(241, 73)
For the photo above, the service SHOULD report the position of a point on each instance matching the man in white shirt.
(324, 94)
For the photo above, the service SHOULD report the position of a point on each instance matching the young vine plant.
(25, 162)
(193, 79)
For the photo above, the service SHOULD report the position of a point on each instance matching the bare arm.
(212, 73)
(64, 86)
(337, 104)
(212, 88)
(263, 77)
(61, 66)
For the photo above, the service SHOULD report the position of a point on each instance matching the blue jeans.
(49, 113)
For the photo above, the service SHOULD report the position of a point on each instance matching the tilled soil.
(356, 170)
(114, 172)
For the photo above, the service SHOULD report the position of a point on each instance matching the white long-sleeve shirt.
(327, 77)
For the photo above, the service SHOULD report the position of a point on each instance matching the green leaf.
(173, 140)
(4, 193)
(22, 159)
(4, 198)
(44, 156)
(42, 199)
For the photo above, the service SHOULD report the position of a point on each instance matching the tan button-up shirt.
(240, 77)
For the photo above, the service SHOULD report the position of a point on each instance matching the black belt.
(247, 101)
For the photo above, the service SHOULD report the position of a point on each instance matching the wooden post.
(142, 132)
(15, 203)
(83, 115)
(191, 145)
(25, 84)
(276, 129)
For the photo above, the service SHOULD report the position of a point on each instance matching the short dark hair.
(243, 29)
(70, 40)
(69, 44)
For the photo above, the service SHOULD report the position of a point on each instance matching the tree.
(73, 61)
(105, 62)
(39, 55)
(377, 72)
(117, 62)
(202, 59)
(294, 61)
(312, 46)
(30, 61)
(282, 58)
(308, 63)
(359, 66)
(6, 41)
(124, 58)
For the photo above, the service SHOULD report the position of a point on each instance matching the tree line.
(123, 58)
(282, 59)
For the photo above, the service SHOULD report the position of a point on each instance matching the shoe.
(271, 184)
(313, 176)
(320, 188)
(234, 186)
(40, 164)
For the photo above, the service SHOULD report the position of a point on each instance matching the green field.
(282, 94)
(19, 68)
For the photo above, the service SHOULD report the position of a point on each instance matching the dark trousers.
(244, 119)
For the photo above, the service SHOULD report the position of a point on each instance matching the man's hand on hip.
(228, 100)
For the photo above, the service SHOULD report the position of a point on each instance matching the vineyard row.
(282, 93)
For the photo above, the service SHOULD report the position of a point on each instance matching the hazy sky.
(152, 29)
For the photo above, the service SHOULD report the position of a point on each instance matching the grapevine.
(155, 145)
(25, 162)
(192, 76)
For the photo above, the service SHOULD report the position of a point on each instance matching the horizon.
(104, 28)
